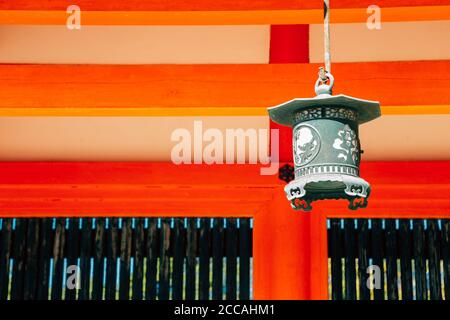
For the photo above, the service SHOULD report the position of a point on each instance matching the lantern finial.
(325, 82)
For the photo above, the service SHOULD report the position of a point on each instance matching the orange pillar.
(289, 250)
(318, 244)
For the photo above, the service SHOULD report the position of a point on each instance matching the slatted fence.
(125, 258)
(413, 257)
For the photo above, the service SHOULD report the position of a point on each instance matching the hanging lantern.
(326, 148)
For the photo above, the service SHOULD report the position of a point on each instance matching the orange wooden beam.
(141, 189)
(402, 175)
(205, 12)
(236, 17)
(212, 89)
(203, 5)
(400, 189)
(130, 174)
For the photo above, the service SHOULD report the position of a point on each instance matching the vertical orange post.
(289, 250)
(288, 44)
(318, 245)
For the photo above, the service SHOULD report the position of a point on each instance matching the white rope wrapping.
(326, 29)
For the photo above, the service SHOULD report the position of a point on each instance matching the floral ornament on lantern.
(348, 145)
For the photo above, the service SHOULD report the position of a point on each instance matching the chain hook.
(324, 83)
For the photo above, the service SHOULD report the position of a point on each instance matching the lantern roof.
(284, 113)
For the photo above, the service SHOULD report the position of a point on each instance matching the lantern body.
(326, 147)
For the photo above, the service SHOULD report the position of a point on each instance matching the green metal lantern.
(326, 148)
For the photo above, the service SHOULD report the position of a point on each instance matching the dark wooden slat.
(58, 256)
(231, 253)
(191, 258)
(44, 258)
(19, 243)
(244, 259)
(178, 259)
(85, 254)
(391, 257)
(445, 235)
(217, 251)
(99, 243)
(419, 259)
(34, 242)
(405, 259)
(5, 255)
(377, 255)
(125, 260)
(138, 262)
(72, 242)
(32, 256)
(164, 269)
(433, 256)
(112, 250)
(204, 252)
(336, 262)
(363, 258)
(350, 259)
(152, 259)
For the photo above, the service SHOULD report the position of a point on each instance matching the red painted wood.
(279, 247)
(288, 44)
(128, 174)
(211, 86)
(289, 252)
(202, 5)
(303, 270)
(166, 174)
(150, 189)
(406, 172)
(317, 276)
(406, 189)
(400, 190)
